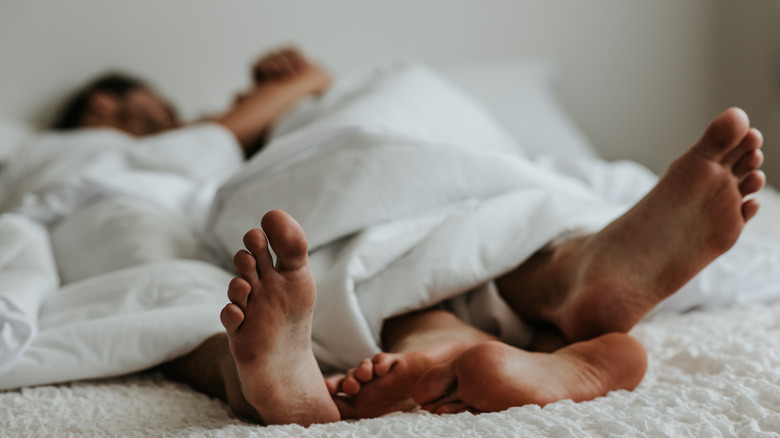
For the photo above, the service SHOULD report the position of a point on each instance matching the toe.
(257, 244)
(238, 292)
(246, 266)
(383, 363)
(752, 182)
(750, 208)
(287, 240)
(748, 163)
(350, 385)
(436, 384)
(723, 134)
(752, 141)
(333, 383)
(231, 317)
(365, 370)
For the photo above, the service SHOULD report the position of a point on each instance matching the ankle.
(538, 288)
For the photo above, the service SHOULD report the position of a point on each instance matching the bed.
(712, 372)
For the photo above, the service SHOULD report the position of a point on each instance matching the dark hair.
(115, 83)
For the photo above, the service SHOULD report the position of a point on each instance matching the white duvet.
(123, 220)
(409, 193)
(411, 196)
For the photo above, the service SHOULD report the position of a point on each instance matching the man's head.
(121, 102)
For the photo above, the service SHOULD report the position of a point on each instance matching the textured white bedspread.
(714, 373)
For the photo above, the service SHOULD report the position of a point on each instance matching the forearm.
(250, 118)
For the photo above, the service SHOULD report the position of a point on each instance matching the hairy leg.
(608, 281)
(414, 343)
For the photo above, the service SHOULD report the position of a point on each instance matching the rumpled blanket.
(410, 196)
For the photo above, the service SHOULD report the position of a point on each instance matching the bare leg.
(606, 282)
(263, 366)
(414, 343)
(211, 370)
(610, 280)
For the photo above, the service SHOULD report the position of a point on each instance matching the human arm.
(281, 80)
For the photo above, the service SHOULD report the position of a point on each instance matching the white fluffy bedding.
(711, 373)
(714, 373)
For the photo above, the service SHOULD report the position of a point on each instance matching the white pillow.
(404, 98)
(519, 95)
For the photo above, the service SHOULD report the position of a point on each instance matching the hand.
(289, 65)
(281, 64)
(281, 79)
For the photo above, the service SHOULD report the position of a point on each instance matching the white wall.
(746, 46)
(641, 78)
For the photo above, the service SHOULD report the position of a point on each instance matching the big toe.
(287, 240)
(435, 384)
(723, 134)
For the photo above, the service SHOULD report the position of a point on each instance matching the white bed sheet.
(695, 361)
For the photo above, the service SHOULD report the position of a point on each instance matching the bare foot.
(268, 325)
(380, 385)
(493, 376)
(610, 280)
(418, 342)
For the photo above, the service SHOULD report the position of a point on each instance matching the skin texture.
(414, 343)
(608, 281)
(596, 288)
(268, 326)
(493, 376)
(589, 291)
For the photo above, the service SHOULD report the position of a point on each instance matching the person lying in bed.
(281, 79)
(590, 291)
(119, 119)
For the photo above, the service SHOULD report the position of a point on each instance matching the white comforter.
(411, 196)
(409, 193)
(122, 218)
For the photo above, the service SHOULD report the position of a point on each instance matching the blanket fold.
(406, 203)
(122, 322)
(410, 196)
(28, 275)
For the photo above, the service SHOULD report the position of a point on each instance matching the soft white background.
(640, 78)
